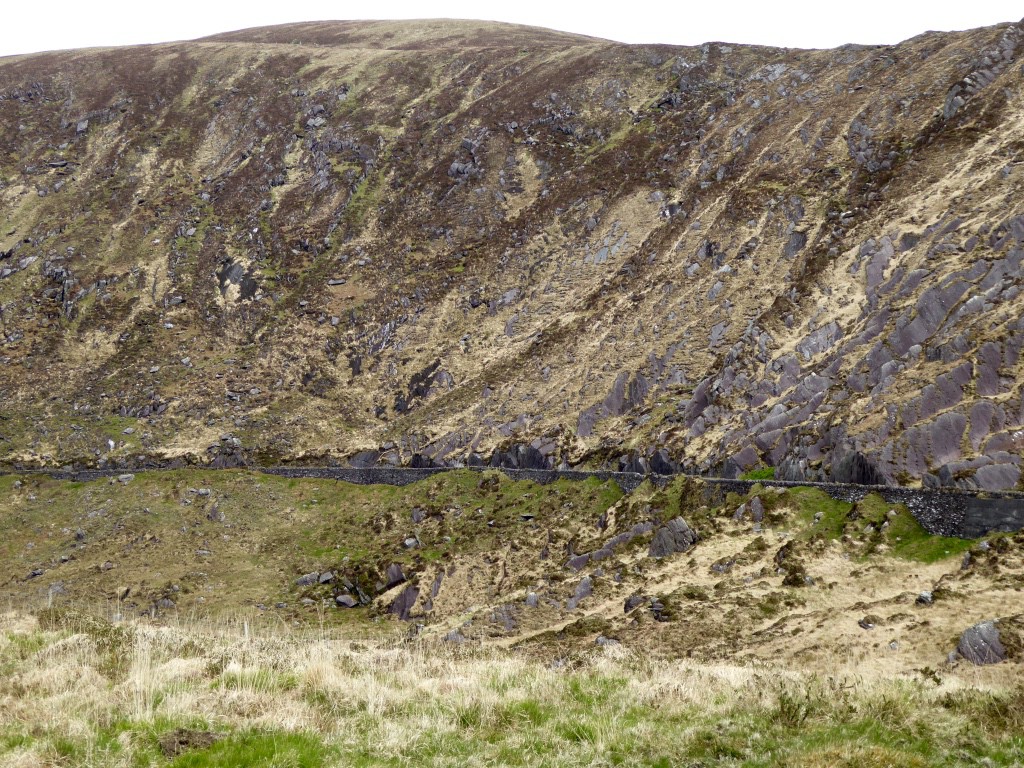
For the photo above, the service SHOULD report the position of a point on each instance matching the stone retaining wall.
(941, 512)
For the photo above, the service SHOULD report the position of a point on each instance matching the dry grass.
(81, 691)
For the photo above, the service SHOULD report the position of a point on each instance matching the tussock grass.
(82, 691)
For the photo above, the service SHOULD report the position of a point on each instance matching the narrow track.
(946, 511)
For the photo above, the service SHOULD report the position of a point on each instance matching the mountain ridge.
(410, 34)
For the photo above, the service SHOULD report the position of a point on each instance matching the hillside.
(198, 617)
(415, 242)
(781, 577)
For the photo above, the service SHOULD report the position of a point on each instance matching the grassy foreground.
(76, 690)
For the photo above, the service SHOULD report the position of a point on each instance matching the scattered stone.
(925, 598)
(307, 580)
(345, 601)
(633, 602)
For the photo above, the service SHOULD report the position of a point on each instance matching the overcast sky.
(39, 25)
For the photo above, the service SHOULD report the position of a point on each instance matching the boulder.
(578, 562)
(583, 590)
(980, 644)
(757, 509)
(633, 602)
(674, 536)
(993, 641)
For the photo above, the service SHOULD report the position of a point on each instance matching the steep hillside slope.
(463, 241)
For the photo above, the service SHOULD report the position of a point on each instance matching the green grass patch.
(762, 473)
(870, 520)
(904, 535)
(809, 502)
(256, 749)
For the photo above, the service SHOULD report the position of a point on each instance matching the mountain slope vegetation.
(427, 242)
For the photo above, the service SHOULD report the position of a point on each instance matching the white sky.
(38, 25)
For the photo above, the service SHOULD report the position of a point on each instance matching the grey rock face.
(583, 590)
(578, 562)
(857, 468)
(307, 580)
(980, 644)
(820, 340)
(393, 576)
(946, 432)
(402, 607)
(997, 477)
(796, 243)
(675, 536)
(346, 601)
